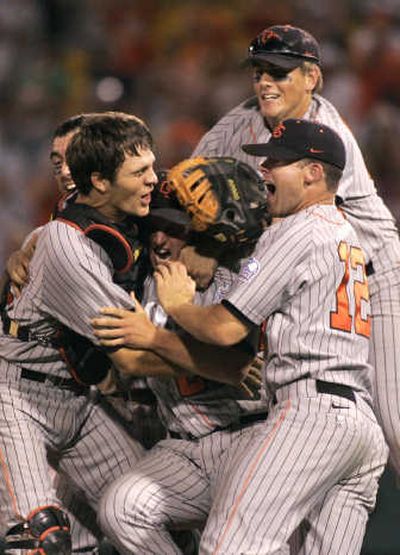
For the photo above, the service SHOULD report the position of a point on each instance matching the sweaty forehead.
(144, 158)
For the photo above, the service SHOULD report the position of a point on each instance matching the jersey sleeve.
(213, 142)
(233, 130)
(77, 279)
(356, 181)
(273, 274)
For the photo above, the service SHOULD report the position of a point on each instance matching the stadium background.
(176, 63)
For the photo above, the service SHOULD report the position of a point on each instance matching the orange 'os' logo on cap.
(165, 188)
(278, 131)
(267, 35)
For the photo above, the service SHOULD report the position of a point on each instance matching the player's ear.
(100, 183)
(312, 75)
(313, 172)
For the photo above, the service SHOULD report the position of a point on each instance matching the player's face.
(59, 165)
(283, 94)
(285, 186)
(164, 247)
(130, 192)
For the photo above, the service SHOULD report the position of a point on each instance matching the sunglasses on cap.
(285, 46)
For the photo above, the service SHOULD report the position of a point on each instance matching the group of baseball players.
(203, 360)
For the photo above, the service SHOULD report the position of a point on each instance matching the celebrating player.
(287, 79)
(321, 452)
(203, 416)
(84, 531)
(71, 275)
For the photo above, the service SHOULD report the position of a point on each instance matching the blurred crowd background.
(177, 65)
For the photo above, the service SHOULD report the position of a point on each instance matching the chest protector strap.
(118, 240)
(87, 363)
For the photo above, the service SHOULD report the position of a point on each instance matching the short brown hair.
(101, 145)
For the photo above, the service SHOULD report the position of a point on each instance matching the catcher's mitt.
(225, 198)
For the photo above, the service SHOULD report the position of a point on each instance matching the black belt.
(63, 383)
(369, 269)
(332, 389)
(245, 420)
(336, 389)
(24, 333)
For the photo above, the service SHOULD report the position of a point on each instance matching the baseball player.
(147, 430)
(45, 395)
(171, 489)
(140, 419)
(84, 531)
(287, 81)
(17, 265)
(321, 452)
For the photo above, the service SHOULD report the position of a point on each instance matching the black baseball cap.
(294, 139)
(164, 203)
(284, 46)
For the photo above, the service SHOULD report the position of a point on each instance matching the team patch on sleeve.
(249, 270)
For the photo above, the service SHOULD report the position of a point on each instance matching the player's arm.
(227, 366)
(119, 327)
(140, 363)
(213, 324)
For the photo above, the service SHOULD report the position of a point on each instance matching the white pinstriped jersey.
(71, 279)
(195, 405)
(365, 210)
(306, 276)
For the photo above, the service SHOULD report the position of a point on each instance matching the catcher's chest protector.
(87, 363)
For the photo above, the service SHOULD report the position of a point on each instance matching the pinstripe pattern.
(70, 281)
(85, 532)
(375, 228)
(385, 297)
(172, 488)
(318, 451)
(71, 278)
(299, 273)
(169, 488)
(313, 447)
(215, 404)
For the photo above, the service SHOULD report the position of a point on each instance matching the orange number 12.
(341, 319)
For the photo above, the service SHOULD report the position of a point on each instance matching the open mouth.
(69, 185)
(269, 96)
(162, 253)
(271, 188)
(146, 199)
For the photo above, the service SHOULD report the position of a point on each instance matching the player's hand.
(119, 327)
(174, 286)
(252, 383)
(200, 268)
(17, 266)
